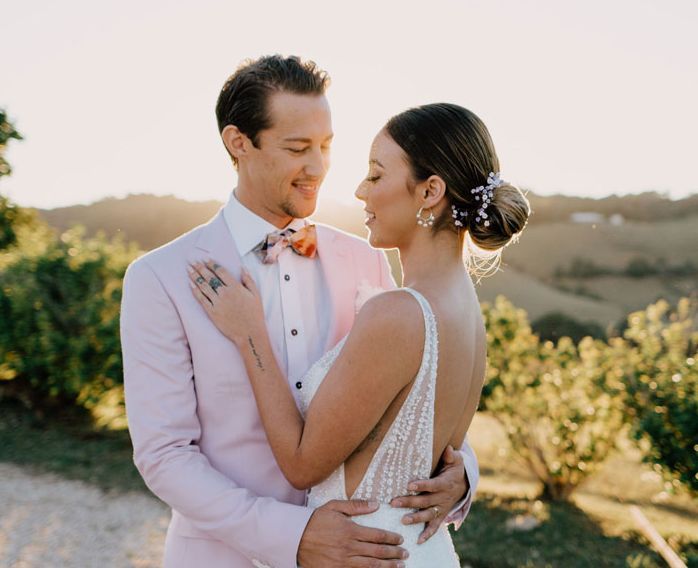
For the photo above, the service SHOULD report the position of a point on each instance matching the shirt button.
(287, 277)
(299, 385)
(294, 332)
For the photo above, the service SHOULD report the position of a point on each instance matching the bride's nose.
(360, 192)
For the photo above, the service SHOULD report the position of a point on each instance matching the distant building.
(586, 217)
(616, 219)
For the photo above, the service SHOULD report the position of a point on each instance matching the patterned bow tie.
(303, 242)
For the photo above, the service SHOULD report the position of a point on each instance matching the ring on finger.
(200, 279)
(215, 283)
(436, 510)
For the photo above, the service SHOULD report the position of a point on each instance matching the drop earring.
(425, 221)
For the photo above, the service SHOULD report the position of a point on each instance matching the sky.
(585, 98)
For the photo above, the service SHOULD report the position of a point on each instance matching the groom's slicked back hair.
(243, 100)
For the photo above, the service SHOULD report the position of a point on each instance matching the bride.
(379, 409)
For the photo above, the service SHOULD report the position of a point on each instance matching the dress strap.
(429, 317)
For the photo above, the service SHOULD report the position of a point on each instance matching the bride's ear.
(432, 191)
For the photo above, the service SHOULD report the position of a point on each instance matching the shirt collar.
(249, 229)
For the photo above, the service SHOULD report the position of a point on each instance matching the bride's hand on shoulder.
(235, 307)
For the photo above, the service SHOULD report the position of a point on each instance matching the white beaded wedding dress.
(404, 454)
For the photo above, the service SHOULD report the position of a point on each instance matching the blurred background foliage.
(561, 390)
(563, 404)
(566, 393)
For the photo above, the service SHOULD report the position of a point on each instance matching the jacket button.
(287, 277)
(294, 332)
(299, 385)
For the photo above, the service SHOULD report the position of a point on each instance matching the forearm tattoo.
(260, 365)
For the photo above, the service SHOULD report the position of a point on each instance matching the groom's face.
(293, 155)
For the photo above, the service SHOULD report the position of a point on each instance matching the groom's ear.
(235, 141)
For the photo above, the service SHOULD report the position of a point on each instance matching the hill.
(649, 206)
(148, 220)
(538, 298)
(590, 271)
(604, 245)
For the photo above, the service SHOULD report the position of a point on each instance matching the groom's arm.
(161, 405)
(472, 475)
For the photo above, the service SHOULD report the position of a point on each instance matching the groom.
(198, 440)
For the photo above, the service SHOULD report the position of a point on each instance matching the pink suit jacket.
(197, 436)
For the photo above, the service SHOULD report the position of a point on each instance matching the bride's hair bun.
(451, 142)
(508, 215)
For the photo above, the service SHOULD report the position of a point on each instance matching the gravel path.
(47, 521)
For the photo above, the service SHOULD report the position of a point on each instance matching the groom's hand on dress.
(331, 539)
(436, 496)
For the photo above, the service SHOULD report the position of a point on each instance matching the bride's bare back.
(459, 380)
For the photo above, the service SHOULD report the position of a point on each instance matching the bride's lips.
(306, 189)
(370, 216)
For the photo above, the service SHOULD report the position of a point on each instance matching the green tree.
(11, 216)
(59, 304)
(657, 360)
(7, 133)
(556, 402)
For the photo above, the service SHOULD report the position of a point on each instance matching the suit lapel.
(217, 242)
(340, 277)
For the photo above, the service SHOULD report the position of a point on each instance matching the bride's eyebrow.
(374, 161)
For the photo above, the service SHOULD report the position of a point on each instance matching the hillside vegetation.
(592, 272)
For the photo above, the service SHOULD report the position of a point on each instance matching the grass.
(566, 536)
(68, 447)
(594, 530)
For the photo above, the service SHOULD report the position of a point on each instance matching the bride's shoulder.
(395, 311)
(388, 335)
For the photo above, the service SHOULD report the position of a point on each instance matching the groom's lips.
(306, 189)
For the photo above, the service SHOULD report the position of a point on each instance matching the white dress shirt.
(297, 305)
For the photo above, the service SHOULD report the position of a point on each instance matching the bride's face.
(389, 205)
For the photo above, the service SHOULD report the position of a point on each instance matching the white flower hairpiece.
(484, 194)
(458, 215)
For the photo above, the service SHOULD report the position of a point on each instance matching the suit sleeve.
(161, 406)
(472, 473)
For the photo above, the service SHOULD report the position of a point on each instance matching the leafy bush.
(641, 267)
(657, 359)
(554, 325)
(10, 217)
(583, 268)
(557, 402)
(59, 307)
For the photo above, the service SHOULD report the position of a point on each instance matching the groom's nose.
(317, 164)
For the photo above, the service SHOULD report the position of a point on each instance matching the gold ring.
(436, 511)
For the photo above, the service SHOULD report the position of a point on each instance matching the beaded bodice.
(405, 453)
